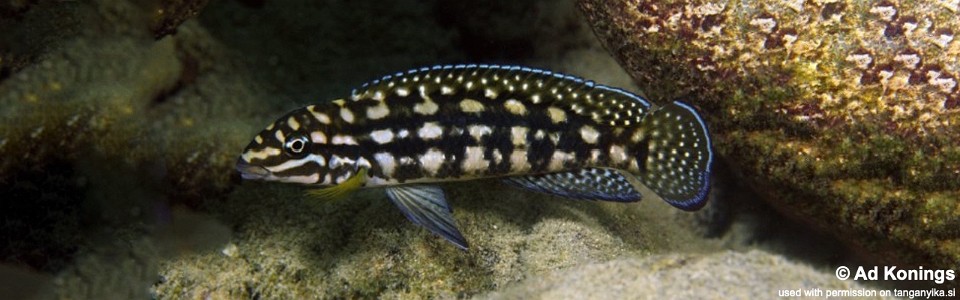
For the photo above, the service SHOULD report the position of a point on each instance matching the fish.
(531, 128)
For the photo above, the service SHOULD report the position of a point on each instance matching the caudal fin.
(679, 156)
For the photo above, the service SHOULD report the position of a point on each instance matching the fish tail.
(677, 155)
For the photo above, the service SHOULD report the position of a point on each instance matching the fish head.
(287, 150)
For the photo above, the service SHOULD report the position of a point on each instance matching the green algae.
(804, 104)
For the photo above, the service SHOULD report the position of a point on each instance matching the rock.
(729, 275)
(844, 114)
(133, 103)
(33, 28)
(167, 15)
(288, 246)
(30, 29)
(108, 125)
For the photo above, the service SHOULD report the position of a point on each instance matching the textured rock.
(286, 246)
(31, 29)
(134, 103)
(725, 275)
(167, 15)
(108, 125)
(844, 114)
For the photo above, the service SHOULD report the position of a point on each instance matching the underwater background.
(835, 124)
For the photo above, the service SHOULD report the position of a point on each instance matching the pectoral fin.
(343, 189)
(584, 184)
(425, 205)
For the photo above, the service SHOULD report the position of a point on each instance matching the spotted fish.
(534, 129)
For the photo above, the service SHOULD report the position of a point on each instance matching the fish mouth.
(248, 171)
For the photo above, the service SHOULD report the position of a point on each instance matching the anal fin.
(425, 205)
(584, 184)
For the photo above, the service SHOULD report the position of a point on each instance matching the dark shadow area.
(754, 223)
(499, 31)
(40, 211)
(315, 51)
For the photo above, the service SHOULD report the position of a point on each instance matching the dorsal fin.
(607, 106)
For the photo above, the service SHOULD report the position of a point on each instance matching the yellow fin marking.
(343, 189)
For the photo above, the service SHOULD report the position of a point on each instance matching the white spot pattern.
(382, 136)
(430, 130)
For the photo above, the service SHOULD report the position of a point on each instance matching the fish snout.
(248, 171)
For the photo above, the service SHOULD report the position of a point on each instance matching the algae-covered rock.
(844, 114)
(103, 128)
(132, 102)
(31, 29)
(167, 15)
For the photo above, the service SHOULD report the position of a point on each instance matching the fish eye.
(296, 144)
